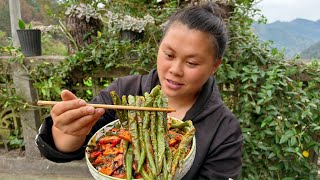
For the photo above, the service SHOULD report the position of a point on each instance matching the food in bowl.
(146, 145)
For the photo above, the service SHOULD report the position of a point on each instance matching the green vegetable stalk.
(140, 101)
(161, 139)
(147, 140)
(129, 163)
(117, 101)
(133, 128)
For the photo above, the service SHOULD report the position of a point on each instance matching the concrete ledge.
(7, 176)
(20, 166)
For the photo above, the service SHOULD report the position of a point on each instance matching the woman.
(189, 54)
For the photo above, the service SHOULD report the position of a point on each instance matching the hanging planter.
(130, 28)
(129, 35)
(30, 39)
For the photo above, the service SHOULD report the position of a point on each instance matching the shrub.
(276, 101)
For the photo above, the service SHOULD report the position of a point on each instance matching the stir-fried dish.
(143, 144)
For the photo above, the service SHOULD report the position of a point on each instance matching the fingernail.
(90, 110)
(82, 102)
(100, 111)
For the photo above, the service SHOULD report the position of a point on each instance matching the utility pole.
(15, 15)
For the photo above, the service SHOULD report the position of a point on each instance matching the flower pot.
(30, 41)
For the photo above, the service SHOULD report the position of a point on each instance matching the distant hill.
(295, 36)
(311, 52)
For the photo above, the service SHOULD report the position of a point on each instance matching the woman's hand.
(72, 121)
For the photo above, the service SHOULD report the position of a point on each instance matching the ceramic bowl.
(100, 176)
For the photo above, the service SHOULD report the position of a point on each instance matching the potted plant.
(131, 28)
(30, 39)
(82, 23)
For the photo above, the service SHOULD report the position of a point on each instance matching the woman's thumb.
(67, 95)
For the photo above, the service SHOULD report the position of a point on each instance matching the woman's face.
(186, 59)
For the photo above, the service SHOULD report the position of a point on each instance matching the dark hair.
(208, 18)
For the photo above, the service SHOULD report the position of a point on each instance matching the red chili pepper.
(115, 142)
(95, 154)
(108, 139)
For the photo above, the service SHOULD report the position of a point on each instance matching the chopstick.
(106, 106)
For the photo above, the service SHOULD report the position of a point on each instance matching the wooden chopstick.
(106, 106)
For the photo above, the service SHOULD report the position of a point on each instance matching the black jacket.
(218, 134)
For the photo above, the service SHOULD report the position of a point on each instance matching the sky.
(288, 10)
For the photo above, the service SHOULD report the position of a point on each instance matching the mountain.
(294, 36)
(311, 52)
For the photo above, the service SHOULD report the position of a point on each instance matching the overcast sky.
(288, 10)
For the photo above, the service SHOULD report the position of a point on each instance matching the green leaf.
(49, 83)
(262, 147)
(290, 149)
(260, 101)
(246, 86)
(244, 130)
(263, 124)
(258, 108)
(57, 90)
(271, 155)
(286, 136)
(293, 141)
(269, 132)
(254, 78)
(269, 93)
(313, 105)
(316, 128)
(271, 107)
(246, 98)
(22, 24)
(30, 25)
(288, 178)
(266, 121)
